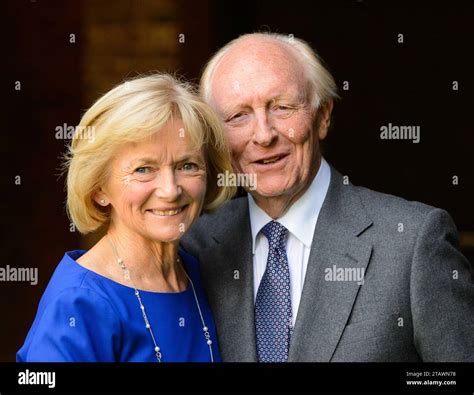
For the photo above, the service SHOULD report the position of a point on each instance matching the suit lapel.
(325, 305)
(228, 279)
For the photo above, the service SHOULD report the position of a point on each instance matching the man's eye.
(283, 110)
(236, 117)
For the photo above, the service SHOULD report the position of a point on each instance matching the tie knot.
(276, 234)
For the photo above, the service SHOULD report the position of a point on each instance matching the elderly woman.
(146, 173)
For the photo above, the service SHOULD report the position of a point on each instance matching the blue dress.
(85, 317)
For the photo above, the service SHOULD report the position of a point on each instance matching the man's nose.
(167, 186)
(264, 134)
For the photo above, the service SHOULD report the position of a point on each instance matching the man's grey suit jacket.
(416, 303)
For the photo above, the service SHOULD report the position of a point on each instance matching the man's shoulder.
(228, 210)
(383, 207)
(225, 219)
(377, 205)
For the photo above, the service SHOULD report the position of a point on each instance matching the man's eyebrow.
(296, 99)
(226, 111)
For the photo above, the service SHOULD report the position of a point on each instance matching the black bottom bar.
(436, 378)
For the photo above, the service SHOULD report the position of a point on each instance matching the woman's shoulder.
(71, 281)
(68, 272)
(67, 314)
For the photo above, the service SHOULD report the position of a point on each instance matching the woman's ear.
(324, 115)
(100, 198)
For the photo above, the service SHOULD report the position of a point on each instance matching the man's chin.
(269, 192)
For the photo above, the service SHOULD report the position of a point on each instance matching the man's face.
(261, 94)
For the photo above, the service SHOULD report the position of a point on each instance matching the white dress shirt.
(300, 220)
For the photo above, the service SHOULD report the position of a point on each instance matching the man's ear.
(324, 115)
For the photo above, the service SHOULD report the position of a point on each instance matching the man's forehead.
(257, 57)
(228, 100)
(239, 78)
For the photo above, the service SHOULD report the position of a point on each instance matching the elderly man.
(309, 267)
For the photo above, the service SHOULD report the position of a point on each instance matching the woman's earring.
(102, 201)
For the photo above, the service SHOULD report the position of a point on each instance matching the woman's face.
(156, 187)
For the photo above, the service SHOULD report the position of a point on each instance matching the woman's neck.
(143, 255)
(152, 266)
(150, 263)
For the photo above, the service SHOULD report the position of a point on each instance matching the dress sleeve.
(77, 326)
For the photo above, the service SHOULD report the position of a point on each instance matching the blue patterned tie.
(273, 304)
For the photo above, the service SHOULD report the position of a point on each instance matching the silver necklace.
(156, 348)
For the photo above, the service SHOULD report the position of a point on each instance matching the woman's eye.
(189, 167)
(143, 170)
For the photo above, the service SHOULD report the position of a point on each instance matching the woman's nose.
(167, 186)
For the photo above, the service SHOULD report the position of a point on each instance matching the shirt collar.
(301, 217)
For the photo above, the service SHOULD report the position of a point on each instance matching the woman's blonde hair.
(130, 112)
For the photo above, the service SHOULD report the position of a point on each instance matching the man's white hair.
(322, 86)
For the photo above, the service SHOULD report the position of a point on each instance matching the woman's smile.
(168, 212)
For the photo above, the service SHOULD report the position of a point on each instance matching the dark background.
(407, 83)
